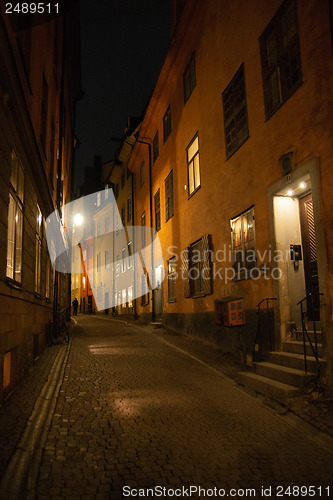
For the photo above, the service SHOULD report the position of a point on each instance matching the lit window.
(15, 221)
(193, 168)
(124, 297)
(38, 263)
(243, 243)
(130, 252)
(196, 268)
(98, 198)
(172, 279)
(98, 262)
(144, 290)
(84, 283)
(123, 260)
(130, 296)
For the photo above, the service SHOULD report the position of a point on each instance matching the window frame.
(235, 113)
(169, 204)
(167, 124)
(15, 223)
(39, 244)
(278, 70)
(156, 147)
(143, 229)
(191, 162)
(189, 78)
(243, 267)
(157, 209)
(172, 278)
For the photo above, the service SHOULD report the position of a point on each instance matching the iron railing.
(314, 348)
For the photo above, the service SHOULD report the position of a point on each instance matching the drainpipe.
(151, 228)
(59, 164)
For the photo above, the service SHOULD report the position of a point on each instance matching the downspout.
(151, 229)
(59, 163)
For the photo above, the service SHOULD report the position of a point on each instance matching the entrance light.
(290, 192)
(302, 185)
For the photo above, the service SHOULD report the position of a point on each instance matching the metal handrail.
(256, 345)
(306, 334)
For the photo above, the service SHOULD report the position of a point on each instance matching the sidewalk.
(17, 410)
(316, 411)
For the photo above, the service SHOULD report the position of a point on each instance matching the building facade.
(238, 174)
(39, 84)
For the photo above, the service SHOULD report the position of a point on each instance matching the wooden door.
(310, 257)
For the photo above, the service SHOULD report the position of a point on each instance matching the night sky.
(123, 44)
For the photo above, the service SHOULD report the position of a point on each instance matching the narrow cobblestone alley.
(133, 411)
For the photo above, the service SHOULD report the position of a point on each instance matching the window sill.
(198, 295)
(171, 301)
(166, 220)
(38, 296)
(193, 192)
(14, 284)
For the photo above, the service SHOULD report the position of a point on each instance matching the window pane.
(18, 249)
(196, 172)
(11, 238)
(191, 177)
(193, 149)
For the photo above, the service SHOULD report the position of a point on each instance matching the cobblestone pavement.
(134, 411)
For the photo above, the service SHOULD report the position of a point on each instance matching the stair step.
(296, 347)
(295, 360)
(285, 374)
(279, 391)
(298, 335)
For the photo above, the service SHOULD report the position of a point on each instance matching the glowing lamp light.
(78, 219)
(290, 192)
(302, 185)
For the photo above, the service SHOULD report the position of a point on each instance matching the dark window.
(156, 150)
(142, 174)
(280, 57)
(157, 207)
(52, 154)
(196, 268)
(123, 214)
(123, 180)
(169, 196)
(189, 79)
(236, 129)
(129, 209)
(243, 243)
(193, 168)
(116, 190)
(172, 279)
(143, 229)
(167, 124)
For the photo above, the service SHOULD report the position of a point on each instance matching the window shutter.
(206, 278)
(185, 271)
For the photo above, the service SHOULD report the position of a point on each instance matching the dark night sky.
(123, 44)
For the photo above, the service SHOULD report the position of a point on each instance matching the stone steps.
(282, 375)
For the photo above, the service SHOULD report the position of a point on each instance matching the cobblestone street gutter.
(21, 475)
